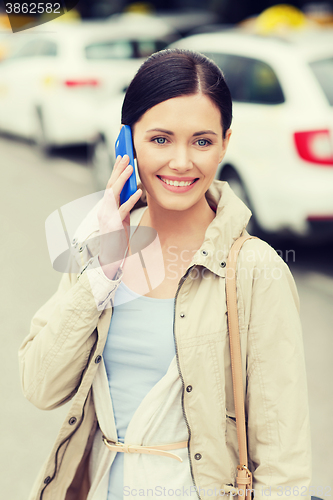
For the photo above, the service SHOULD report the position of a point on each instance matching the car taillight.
(84, 82)
(315, 146)
(316, 218)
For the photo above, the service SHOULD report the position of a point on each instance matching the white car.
(280, 156)
(51, 85)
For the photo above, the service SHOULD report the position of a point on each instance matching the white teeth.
(177, 183)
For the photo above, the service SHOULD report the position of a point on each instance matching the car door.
(17, 77)
(22, 77)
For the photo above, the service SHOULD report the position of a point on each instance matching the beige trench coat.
(60, 356)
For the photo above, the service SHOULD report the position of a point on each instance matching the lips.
(177, 184)
(177, 181)
(177, 178)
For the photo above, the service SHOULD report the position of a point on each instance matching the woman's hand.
(114, 220)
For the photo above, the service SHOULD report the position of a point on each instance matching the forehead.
(183, 112)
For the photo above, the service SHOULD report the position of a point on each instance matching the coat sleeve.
(63, 332)
(279, 445)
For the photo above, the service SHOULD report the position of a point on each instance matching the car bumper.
(299, 202)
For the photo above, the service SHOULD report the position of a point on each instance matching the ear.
(225, 143)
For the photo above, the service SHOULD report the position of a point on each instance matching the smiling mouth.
(177, 183)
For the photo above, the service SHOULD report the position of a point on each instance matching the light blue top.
(137, 354)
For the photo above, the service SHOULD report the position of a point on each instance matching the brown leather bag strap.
(244, 476)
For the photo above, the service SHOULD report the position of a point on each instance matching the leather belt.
(161, 449)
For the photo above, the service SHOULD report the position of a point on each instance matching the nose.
(181, 161)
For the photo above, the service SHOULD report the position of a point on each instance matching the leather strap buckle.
(244, 482)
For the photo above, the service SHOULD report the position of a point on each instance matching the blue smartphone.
(124, 146)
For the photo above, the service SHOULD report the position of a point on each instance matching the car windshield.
(250, 80)
(323, 70)
(124, 49)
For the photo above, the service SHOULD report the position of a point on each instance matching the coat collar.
(232, 217)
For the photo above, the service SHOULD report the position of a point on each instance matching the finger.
(124, 161)
(115, 166)
(112, 194)
(116, 183)
(126, 207)
(117, 217)
(119, 183)
(120, 164)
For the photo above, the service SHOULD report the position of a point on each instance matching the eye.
(203, 142)
(160, 140)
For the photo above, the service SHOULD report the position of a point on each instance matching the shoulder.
(261, 270)
(258, 254)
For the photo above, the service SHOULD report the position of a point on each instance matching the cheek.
(149, 160)
(211, 163)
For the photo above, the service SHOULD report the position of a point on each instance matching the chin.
(177, 205)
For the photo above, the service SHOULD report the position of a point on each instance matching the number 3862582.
(33, 8)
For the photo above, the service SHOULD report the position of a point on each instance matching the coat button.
(189, 388)
(223, 264)
(47, 480)
(182, 315)
(98, 359)
(72, 420)
(81, 249)
(75, 243)
(198, 456)
(204, 253)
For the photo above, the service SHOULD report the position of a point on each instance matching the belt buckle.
(243, 467)
(114, 443)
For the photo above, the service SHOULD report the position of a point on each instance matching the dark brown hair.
(172, 73)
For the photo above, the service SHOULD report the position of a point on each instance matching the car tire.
(102, 163)
(230, 175)
(40, 137)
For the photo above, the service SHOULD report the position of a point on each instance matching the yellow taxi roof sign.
(279, 19)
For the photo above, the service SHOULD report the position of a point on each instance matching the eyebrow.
(201, 132)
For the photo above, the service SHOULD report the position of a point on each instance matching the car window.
(30, 49)
(121, 49)
(36, 48)
(48, 48)
(124, 49)
(147, 47)
(249, 80)
(323, 71)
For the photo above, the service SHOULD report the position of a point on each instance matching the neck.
(180, 226)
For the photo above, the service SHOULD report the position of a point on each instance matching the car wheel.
(235, 182)
(40, 137)
(102, 163)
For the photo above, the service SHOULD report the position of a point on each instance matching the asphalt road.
(31, 189)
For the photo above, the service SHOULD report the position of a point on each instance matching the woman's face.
(178, 146)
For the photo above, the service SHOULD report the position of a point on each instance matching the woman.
(164, 356)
